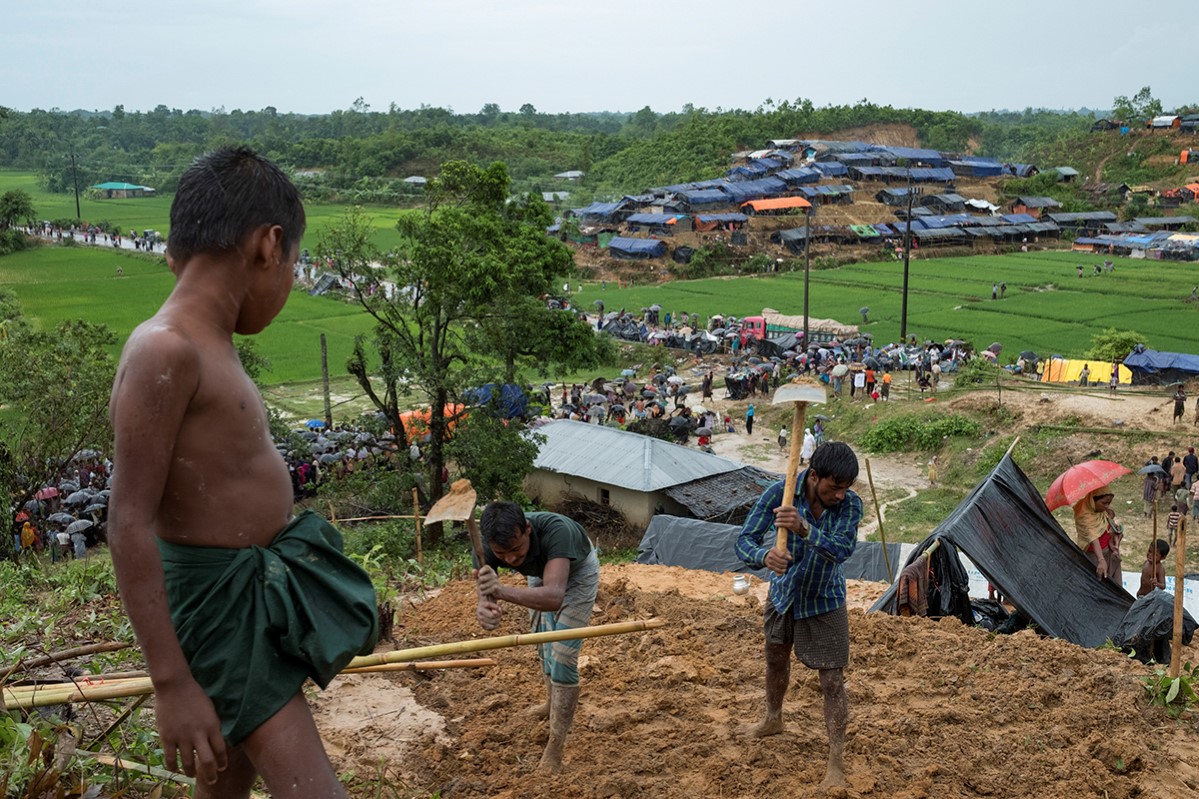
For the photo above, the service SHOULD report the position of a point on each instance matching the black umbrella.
(331, 457)
(703, 431)
(870, 361)
(60, 518)
(655, 307)
(1152, 468)
(34, 505)
(996, 348)
(822, 417)
(1028, 355)
(78, 498)
(79, 526)
(67, 486)
(649, 393)
(679, 421)
(616, 408)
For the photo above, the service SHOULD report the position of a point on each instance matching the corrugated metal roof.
(728, 497)
(623, 459)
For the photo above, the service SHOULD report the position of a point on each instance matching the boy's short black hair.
(500, 522)
(1163, 547)
(836, 460)
(227, 194)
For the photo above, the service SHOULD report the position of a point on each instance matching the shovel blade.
(799, 392)
(457, 505)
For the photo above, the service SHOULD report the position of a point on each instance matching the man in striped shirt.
(806, 610)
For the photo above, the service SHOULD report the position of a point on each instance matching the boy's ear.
(266, 245)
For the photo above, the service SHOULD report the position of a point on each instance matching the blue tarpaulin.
(600, 210)
(1153, 367)
(795, 177)
(1018, 219)
(831, 169)
(508, 400)
(931, 157)
(651, 219)
(755, 189)
(705, 197)
(623, 247)
(977, 169)
(722, 217)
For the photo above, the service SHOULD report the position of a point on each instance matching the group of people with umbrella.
(69, 514)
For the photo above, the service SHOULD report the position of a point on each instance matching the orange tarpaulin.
(416, 422)
(777, 203)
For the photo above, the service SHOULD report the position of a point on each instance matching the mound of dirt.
(891, 134)
(937, 709)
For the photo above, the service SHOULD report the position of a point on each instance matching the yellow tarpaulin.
(1060, 371)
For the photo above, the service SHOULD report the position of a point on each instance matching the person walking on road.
(749, 420)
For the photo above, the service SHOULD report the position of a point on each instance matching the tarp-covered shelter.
(1165, 222)
(696, 544)
(828, 195)
(976, 168)
(777, 345)
(775, 205)
(704, 198)
(1063, 370)
(800, 176)
(1150, 367)
(623, 247)
(831, 169)
(914, 155)
(601, 212)
(894, 197)
(1006, 530)
(794, 239)
(755, 189)
(708, 222)
(727, 497)
(507, 400)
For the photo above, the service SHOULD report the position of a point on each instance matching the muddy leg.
(778, 673)
(836, 716)
(542, 711)
(562, 713)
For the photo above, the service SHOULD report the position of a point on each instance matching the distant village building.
(572, 174)
(114, 190)
(416, 180)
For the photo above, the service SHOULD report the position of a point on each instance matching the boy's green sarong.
(255, 622)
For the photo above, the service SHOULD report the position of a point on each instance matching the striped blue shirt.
(814, 583)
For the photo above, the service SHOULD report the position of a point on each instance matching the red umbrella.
(1078, 481)
(46, 493)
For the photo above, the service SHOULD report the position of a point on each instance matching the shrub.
(911, 432)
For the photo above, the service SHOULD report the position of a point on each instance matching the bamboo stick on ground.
(36, 696)
(427, 665)
(66, 654)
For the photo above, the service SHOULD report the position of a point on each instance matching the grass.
(153, 213)
(1047, 308)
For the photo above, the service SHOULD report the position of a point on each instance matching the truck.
(771, 323)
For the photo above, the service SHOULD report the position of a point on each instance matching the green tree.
(1114, 345)
(15, 206)
(466, 275)
(56, 384)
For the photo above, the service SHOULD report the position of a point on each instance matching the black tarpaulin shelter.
(1004, 527)
(695, 544)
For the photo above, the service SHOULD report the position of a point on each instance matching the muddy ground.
(937, 709)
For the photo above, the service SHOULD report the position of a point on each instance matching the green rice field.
(1047, 307)
(154, 213)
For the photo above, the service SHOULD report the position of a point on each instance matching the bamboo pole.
(37, 696)
(420, 558)
(505, 641)
(65, 654)
(427, 665)
(141, 768)
(1179, 584)
(878, 514)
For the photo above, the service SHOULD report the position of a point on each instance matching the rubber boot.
(565, 698)
(542, 711)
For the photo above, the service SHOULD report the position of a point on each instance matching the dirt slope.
(936, 710)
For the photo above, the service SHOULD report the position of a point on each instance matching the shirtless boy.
(234, 603)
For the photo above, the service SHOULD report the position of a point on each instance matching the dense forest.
(362, 155)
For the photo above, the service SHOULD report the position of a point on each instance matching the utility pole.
(75, 180)
(907, 247)
(807, 271)
(325, 383)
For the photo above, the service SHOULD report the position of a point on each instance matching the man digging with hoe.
(562, 568)
(816, 526)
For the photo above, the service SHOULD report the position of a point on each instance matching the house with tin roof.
(640, 475)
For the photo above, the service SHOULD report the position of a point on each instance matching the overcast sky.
(315, 56)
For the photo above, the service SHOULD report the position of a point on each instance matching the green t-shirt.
(553, 536)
